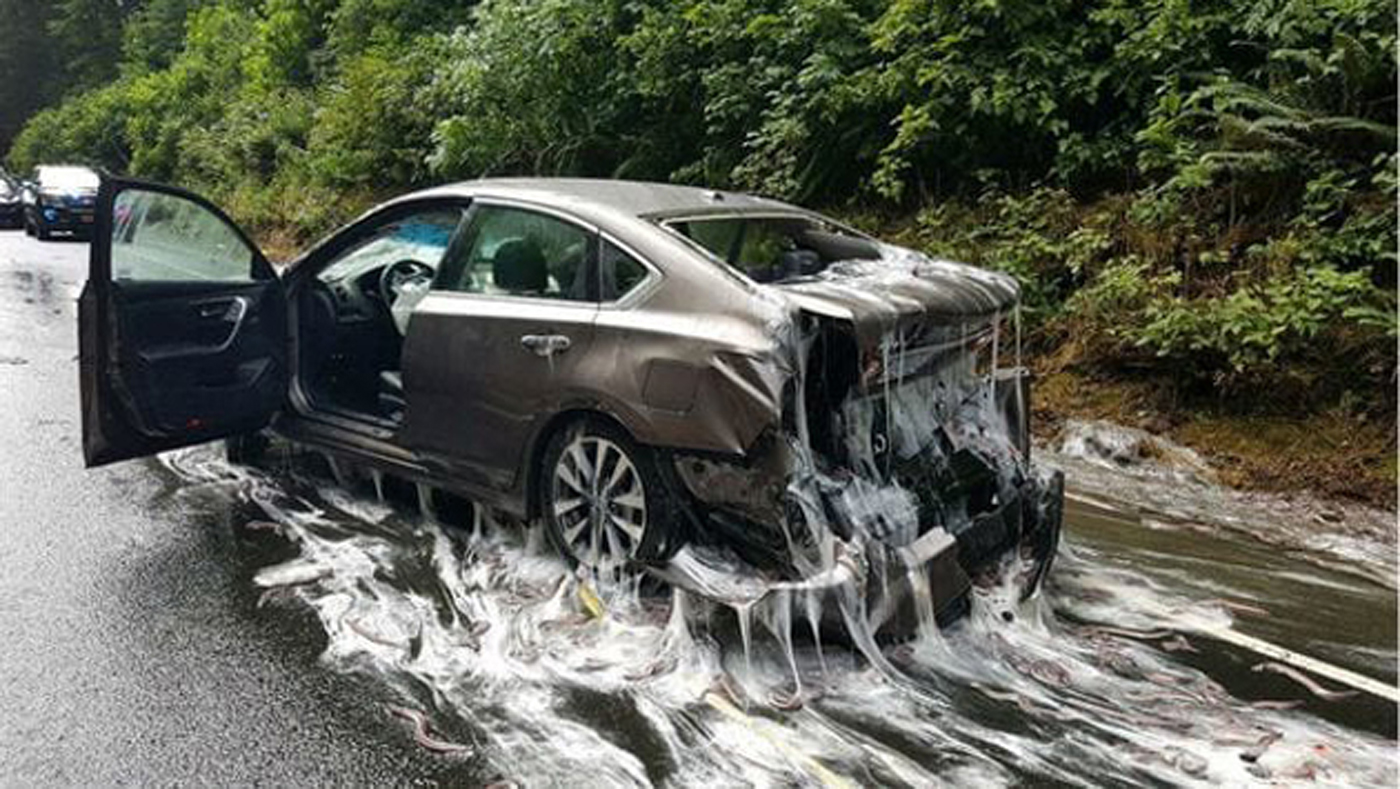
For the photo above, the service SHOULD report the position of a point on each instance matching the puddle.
(492, 653)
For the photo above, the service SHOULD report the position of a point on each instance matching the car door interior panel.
(200, 357)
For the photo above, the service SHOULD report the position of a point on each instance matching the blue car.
(60, 199)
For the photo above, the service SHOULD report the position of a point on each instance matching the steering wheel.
(395, 275)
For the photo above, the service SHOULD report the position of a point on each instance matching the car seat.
(519, 267)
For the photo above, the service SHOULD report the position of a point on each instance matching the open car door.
(182, 326)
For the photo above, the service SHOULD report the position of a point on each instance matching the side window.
(516, 252)
(761, 255)
(162, 237)
(620, 272)
(421, 237)
(720, 236)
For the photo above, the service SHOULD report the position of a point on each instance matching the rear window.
(776, 248)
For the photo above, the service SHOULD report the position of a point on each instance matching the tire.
(28, 226)
(42, 231)
(640, 520)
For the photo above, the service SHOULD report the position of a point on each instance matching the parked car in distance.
(60, 199)
(11, 204)
(639, 367)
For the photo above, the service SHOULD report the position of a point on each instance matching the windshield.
(67, 178)
(775, 248)
(5, 189)
(420, 237)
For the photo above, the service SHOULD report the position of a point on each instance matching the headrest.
(519, 267)
(798, 262)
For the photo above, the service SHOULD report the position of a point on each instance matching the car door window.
(517, 252)
(620, 272)
(167, 238)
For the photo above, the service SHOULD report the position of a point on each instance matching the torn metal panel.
(898, 468)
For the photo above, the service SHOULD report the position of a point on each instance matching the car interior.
(354, 313)
(776, 248)
(350, 337)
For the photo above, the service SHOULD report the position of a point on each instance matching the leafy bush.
(1202, 192)
(374, 121)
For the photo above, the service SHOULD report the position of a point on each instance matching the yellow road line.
(763, 729)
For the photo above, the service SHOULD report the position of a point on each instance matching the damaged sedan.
(664, 377)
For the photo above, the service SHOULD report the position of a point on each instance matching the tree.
(88, 35)
(155, 33)
(27, 64)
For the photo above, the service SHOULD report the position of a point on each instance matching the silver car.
(640, 367)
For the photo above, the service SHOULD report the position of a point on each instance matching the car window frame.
(589, 230)
(635, 294)
(668, 222)
(595, 234)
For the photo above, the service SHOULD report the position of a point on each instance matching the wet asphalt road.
(132, 648)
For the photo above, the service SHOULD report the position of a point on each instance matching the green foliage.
(358, 25)
(760, 95)
(1201, 190)
(289, 37)
(1298, 317)
(155, 33)
(29, 66)
(87, 130)
(555, 104)
(374, 121)
(88, 37)
(1037, 237)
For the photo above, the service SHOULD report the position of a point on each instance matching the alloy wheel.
(599, 504)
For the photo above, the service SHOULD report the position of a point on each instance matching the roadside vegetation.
(1198, 197)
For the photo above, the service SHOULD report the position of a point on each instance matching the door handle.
(230, 310)
(545, 345)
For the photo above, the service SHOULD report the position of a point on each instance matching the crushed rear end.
(900, 473)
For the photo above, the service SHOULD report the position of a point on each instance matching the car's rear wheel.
(28, 226)
(603, 500)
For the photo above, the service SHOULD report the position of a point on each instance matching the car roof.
(634, 198)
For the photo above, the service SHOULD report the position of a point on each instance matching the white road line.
(1312, 665)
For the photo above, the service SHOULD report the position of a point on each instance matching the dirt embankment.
(1349, 457)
